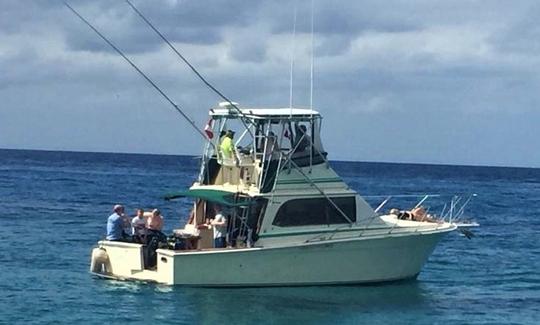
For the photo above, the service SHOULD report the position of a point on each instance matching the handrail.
(369, 220)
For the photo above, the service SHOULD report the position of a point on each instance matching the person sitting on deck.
(420, 214)
(416, 214)
(115, 225)
(220, 227)
(138, 226)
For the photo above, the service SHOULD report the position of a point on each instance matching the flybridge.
(269, 140)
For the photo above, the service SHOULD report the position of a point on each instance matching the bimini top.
(227, 110)
(217, 196)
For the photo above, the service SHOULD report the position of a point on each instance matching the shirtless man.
(155, 221)
(154, 224)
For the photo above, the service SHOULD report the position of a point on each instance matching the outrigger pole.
(190, 121)
(189, 65)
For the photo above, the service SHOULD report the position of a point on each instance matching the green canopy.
(222, 197)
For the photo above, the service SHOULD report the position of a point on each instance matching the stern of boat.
(126, 261)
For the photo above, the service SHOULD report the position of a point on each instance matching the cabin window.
(315, 211)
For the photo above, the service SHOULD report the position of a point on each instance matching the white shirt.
(137, 225)
(220, 231)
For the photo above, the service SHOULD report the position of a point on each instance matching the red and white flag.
(208, 129)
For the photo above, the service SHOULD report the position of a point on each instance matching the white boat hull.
(346, 261)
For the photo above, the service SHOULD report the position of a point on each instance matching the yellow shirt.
(226, 147)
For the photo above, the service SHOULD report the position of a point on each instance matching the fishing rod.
(173, 48)
(139, 71)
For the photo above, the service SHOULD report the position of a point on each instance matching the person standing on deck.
(115, 224)
(220, 227)
(138, 226)
(154, 236)
(226, 148)
(155, 221)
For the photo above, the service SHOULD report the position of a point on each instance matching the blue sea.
(54, 205)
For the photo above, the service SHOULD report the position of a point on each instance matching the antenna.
(292, 59)
(311, 94)
(312, 63)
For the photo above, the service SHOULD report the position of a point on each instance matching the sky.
(446, 82)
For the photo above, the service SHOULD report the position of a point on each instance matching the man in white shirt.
(138, 226)
(220, 228)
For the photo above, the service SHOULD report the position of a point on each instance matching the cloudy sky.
(453, 82)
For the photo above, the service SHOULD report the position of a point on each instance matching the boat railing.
(440, 209)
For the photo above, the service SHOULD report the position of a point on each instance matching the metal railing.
(452, 211)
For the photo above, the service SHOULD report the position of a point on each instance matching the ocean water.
(53, 208)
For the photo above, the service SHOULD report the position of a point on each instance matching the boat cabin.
(271, 177)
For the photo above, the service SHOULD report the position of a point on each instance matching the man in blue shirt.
(115, 224)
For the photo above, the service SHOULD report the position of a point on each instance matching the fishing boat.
(292, 219)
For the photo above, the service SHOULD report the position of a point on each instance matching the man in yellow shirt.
(227, 145)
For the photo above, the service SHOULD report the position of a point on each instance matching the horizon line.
(334, 160)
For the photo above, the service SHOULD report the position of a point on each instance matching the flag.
(208, 129)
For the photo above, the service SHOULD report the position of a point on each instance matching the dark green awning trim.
(215, 196)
